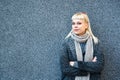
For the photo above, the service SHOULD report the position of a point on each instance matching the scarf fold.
(88, 51)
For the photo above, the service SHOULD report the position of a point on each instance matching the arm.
(65, 66)
(95, 65)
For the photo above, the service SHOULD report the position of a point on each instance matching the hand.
(94, 59)
(71, 63)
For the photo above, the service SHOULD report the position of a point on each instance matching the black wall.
(31, 33)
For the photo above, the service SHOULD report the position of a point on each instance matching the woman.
(81, 56)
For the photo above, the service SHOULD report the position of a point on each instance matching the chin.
(76, 33)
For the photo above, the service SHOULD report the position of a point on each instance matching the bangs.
(78, 17)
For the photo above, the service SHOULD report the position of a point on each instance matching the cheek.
(72, 26)
(83, 30)
(80, 26)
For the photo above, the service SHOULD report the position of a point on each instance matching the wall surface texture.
(31, 33)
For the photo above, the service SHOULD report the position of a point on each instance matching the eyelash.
(77, 23)
(73, 23)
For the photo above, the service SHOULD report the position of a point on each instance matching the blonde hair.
(84, 16)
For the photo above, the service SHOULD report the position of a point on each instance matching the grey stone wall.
(31, 32)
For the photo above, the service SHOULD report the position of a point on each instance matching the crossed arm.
(75, 68)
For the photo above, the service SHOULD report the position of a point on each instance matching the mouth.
(76, 29)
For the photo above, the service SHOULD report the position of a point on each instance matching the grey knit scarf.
(88, 51)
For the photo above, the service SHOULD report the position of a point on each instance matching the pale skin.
(79, 27)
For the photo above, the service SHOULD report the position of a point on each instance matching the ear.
(86, 25)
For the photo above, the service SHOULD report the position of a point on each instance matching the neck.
(81, 38)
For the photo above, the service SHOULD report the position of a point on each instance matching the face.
(79, 26)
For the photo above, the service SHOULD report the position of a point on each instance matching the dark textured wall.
(31, 32)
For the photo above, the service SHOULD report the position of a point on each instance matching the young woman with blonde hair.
(81, 55)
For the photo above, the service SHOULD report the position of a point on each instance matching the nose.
(75, 26)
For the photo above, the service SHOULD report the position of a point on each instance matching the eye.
(73, 23)
(79, 23)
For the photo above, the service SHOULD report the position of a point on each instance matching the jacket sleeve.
(94, 66)
(64, 61)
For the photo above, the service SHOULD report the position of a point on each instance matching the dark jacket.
(68, 54)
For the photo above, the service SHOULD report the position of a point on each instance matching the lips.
(76, 29)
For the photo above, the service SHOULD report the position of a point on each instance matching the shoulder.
(98, 48)
(98, 45)
(66, 41)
